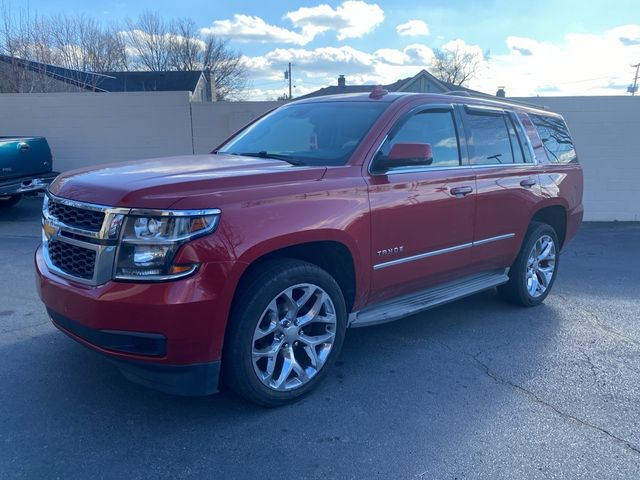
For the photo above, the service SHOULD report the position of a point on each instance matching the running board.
(426, 299)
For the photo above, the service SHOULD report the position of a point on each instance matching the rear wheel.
(286, 330)
(534, 272)
(9, 201)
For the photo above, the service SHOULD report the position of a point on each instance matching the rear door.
(24, 156)
(507, 181)
(421, 217)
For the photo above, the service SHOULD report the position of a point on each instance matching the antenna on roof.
(378, 92)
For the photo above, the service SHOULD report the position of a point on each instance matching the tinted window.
(521, 140)
(433, 127)
(489, 141)
(555, 137)
(323, 133)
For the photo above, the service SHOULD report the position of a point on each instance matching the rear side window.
(556, 139)
(489, 139)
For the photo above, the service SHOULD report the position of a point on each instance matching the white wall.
(215, 121)
(606, 132)
(90, 128)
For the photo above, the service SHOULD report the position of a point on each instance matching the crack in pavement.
(503, 381)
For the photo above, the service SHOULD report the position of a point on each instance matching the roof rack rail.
(465, 93)
(459, 93)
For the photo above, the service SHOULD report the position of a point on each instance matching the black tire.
(262, 285)
(10, 201)
(516, 291)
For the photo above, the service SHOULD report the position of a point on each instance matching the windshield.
(323, 134)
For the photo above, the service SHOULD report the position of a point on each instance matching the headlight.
(150, 240)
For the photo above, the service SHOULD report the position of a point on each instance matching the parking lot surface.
(474, 389)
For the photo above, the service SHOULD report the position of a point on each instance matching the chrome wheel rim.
(541, 265)
(294, 337)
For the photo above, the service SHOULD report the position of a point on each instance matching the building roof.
(397, 86)
(114, 81)
(150, 81)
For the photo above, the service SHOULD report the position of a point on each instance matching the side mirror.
(406, 155)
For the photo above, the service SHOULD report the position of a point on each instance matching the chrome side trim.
(420, 256)
(493, 239)
(433, 253)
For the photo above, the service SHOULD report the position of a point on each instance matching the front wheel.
(533, 273)
(286, 329)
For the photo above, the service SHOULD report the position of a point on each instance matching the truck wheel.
(285, 331)
(10, 201)
(533, 273)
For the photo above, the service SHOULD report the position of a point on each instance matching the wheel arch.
(554, 215)
(333, 256)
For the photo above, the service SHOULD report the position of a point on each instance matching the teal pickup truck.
(26, 167)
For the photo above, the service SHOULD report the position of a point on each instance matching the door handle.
(528, 182)
(460, 192)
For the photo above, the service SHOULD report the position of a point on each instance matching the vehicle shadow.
(422, 378)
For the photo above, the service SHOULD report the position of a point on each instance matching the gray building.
(25, 76)
(422, 82)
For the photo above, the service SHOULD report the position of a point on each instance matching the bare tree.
(82, 44)
(85, 47)
(151, 41)
(22, 39)
(225, 66)
(453, 65)
(186, 48)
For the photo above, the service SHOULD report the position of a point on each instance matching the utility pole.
(287, 76)
(634, 88)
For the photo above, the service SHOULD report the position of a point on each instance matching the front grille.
(76, 217)
(72, 260)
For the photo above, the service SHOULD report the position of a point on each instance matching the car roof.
(389, 97)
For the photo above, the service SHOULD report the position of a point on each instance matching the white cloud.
(413, 28)
(581, 64)
(351, 19)
(246, 28)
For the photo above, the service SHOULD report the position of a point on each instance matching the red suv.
(247, 265)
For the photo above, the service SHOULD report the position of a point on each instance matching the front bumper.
(32, 183)
(165, 335)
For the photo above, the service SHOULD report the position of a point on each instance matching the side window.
(430, 126)
(556, 139)
(516, 145)
(521, 139)
(489, 139)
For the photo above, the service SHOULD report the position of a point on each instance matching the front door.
(422, 217)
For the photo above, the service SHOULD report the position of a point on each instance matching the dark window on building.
(489, 140)
(434, 127)
(555, 137)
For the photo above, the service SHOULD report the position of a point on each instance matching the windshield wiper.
(274, 156)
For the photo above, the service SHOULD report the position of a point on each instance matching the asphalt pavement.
(474, 389)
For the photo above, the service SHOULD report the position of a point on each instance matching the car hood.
(161, 182)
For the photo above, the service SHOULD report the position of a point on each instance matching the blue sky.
(541, 47)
